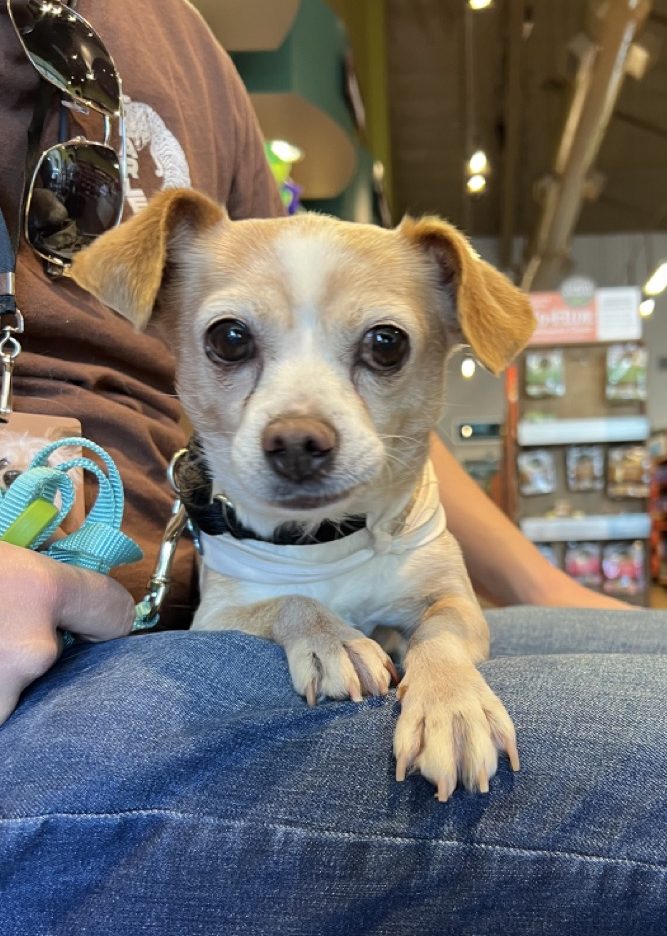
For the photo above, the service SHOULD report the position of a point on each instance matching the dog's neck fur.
(385, 504)
(381, 506)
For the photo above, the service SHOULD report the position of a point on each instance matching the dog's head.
(310, 351)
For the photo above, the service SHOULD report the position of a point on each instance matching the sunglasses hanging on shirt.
(77, 186)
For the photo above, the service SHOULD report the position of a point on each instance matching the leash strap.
(98, 544)
(30, 515)
(11, 320)
(7, 265)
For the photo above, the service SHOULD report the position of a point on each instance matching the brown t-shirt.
(189, 123)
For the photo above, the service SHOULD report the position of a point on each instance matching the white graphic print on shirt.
(146, 129)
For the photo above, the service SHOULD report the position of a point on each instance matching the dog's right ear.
(124, 267)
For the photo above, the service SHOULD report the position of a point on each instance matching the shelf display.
(583, 561)
(629, 471)
(623, 566)
(626, 372)
(585, 467)
(587, 526)
(549, 552)
(544, 429)
(545, 374)
(579, 473)
(658, 508)
(537, 472)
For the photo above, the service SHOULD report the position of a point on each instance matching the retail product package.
(583, 562)
(545, 373)
(626, 372)
(623, 568)
(628, 471)
(585, 467)
(537, 471)
(548, 550)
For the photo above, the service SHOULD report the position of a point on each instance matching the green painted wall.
(309, 62)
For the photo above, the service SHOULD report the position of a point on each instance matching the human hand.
(40, 595)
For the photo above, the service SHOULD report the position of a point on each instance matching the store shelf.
(591, 527)
(658, 507)
(583, 431)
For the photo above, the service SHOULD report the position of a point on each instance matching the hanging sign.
(581, 314)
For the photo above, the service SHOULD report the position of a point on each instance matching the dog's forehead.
(315, 260)
(310, 262)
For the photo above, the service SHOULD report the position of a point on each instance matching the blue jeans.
(175, 784)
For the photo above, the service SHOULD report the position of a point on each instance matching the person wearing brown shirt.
(188, 123)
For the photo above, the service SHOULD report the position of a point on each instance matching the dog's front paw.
(338, 662)
(451, 728)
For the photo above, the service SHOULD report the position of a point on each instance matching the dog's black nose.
(9, 477)
(300, 448)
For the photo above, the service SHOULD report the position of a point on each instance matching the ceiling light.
(468, 368)
(646, 307)
(477, 184)
(466, 431)
(478, 164)
(479, 4)
(657, 283)
(286, 151)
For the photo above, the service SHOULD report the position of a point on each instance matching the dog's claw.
(513, 755)
(393, 672)
(483, 781)
(443, 791)
(354, 693)
(401, 768)
(311, 696)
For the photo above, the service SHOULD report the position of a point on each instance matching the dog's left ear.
(492, 316)
(125, 267)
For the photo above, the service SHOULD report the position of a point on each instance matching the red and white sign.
(611, 315)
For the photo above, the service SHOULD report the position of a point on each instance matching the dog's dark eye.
(229, 341)
(384, 347)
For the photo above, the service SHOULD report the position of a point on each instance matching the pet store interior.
(539, 128)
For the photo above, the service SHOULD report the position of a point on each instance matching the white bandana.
(271, 564)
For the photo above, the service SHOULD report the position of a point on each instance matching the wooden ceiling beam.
(582, 136)
(512, 125)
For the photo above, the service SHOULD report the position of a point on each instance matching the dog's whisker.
(401, 438)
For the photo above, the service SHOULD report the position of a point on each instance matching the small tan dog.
(310, 358)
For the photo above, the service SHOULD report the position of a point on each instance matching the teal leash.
(99, 544)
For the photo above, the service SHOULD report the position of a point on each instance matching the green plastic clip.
(29, 524)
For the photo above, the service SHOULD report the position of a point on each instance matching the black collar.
(216, 515)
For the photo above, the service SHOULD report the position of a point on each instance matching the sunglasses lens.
(77, 194)
(67, 52)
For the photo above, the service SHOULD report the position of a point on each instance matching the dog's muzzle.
(300, 448)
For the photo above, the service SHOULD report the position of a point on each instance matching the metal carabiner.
(148, 610)
(160, 580)
(7, 359)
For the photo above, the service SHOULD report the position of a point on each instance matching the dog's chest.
(389, 589)
(371, 577)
